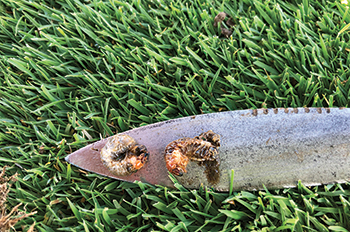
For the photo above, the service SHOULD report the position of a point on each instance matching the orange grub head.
(176, 163)
(137, 162)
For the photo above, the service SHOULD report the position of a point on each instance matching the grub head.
(176, 162)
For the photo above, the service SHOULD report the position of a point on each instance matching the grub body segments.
(202, 148)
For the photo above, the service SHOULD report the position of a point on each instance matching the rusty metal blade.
(271, 147)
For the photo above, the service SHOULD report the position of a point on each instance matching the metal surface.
(274, 147)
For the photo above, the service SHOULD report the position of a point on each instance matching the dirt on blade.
(219, 18)
(9, 219)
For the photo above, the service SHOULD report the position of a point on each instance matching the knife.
(274, 148)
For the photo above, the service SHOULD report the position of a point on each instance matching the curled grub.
(123, 156)
(202, 148)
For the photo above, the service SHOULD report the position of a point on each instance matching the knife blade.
(266, 147)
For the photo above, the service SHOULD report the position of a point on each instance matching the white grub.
(202, 148)
(123, 156)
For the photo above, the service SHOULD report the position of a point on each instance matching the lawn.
(73, 72)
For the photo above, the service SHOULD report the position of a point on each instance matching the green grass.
(72, 72)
